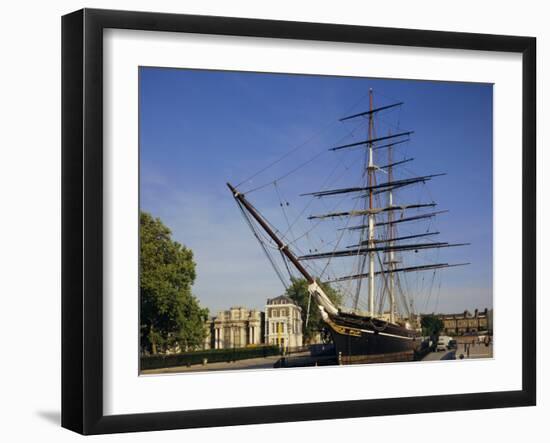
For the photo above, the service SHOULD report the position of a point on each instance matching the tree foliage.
(431, 325)
(170, 315)
(298, 292)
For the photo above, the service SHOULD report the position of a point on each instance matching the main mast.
(369, 169)
(370, 172)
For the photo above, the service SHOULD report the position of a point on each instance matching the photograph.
(267, 220)
(291, 220)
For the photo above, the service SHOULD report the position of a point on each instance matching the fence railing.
(207, 356)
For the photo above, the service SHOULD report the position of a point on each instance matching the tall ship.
(381, 320)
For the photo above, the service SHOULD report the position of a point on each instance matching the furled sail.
(372, 211)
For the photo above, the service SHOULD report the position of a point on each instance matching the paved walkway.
(440, 355)
(251, 363)
(474, 351)
(469, 352)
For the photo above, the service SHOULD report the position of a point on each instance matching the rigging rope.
(319, 221)
(322, 130)
(429, 296)
(287, 267)
(382, 300)
(438, 294)
(292, 171)
(403, 297)
(268, 255)
(300, 166)
(282, 206)
(325, 183)
(336, 246)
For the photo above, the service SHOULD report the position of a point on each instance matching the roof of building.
(281, 300)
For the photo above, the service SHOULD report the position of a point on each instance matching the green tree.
(431, 325)
(170, 315)
(298, 292)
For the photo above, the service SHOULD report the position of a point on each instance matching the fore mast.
(368, 228)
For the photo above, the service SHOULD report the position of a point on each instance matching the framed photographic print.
(269, 221)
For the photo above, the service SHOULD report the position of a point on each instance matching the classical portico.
(236, 327)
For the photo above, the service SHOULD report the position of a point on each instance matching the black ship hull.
(355, 335)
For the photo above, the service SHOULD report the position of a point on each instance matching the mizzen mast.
(391, 236)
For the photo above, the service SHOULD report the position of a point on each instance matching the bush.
(212, 355)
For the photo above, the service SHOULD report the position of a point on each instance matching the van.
(442, 343)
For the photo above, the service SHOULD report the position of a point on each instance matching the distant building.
(283, 322)
(237, 327)
(468, 323)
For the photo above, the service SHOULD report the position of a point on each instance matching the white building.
(237, 327)
(283, 322)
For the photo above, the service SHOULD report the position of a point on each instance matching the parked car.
(442, 343)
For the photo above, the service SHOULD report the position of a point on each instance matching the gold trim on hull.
(344, 330)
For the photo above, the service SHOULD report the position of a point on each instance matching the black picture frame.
(82, 220)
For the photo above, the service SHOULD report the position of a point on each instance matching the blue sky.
(200, 129)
